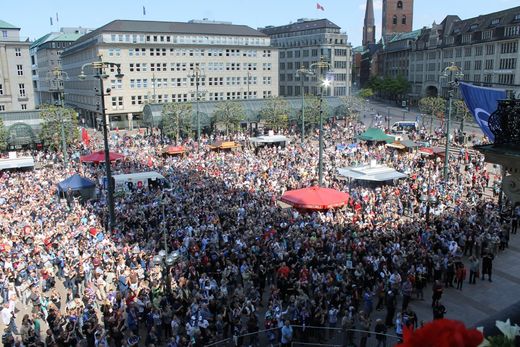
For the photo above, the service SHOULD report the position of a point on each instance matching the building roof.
(300, 26)
(5, 25)
(57, 36)
(412, 35)
(486, 21)
(142, 26)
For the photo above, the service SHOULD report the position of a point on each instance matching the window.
(507, 64)
(1, 90)
(399, 4)
(512, 30)
(495, 21)
(466, 38)
(467, 52)
(478, 64)
(478, 51)
(4, 34)
(2, 107)
(394, 20)
(489, 64)
(21, 89)
(24, 106)
(486, 35)
(19, 70)
(403, 19)
(509, 47)
(490, 49)
(18, 52)
(506, 79)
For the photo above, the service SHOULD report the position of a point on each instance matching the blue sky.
(32, 16)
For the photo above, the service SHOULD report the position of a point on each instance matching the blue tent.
(77, 184)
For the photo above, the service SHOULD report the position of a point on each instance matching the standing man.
(474, 265)
(287, 334)
(487, 264)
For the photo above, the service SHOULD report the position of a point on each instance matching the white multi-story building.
(303, 43)
(159, 59)
(16, 90)
(46, 57)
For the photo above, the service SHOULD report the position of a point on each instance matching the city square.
(203, 183)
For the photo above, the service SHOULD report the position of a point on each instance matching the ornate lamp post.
(321, 66)
(301, 73)
(453, 73)
(99, 68)
(197, 74)
(58, 76)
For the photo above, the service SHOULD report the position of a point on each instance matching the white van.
(404, 127)
(137, 180)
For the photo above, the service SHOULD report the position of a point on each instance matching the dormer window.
(495, 21)
(517, 17)
(399, 4)
(473, 27)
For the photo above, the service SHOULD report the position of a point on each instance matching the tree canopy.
(229, 114)
(52, 119)
(3, 136)
(176, 120)
(389, 87)
(275, 113)
(434, 106)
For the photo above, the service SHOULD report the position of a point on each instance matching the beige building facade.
(16, 89)
(159, 61)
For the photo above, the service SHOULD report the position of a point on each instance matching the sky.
(33, 16)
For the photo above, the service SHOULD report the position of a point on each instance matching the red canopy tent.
(99, 157)
(315, 198)
(172, 150)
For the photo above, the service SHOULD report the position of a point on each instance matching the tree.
(462, 112)
(3, 136)
(229, 114)
(176, 120)
(366, 93)
(312, 110)
(52, 119)
(434, 106)
(390, 87)
(353, 105)
(275, 113)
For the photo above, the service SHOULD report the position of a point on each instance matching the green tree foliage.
(229, 114)
(462, 112)
(434, 106)
(312, 110)
(392, 88)
(275, 113)
(366, 93)
(52, 118)
(3, 136)
(176, 120)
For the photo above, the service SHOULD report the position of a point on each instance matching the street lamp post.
(99, 67)
(58, 77)
(320, 65)
(197, 75)
(453, 73)
(301, 73)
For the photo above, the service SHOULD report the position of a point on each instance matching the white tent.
(373, 172)
(16, 163)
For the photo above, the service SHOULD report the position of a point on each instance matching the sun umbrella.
(99, 157)
(315, 198)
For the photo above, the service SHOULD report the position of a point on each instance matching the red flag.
(319, 7)
(85, 137)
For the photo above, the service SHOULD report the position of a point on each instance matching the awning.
(172, 150)
(16, 163)
(224, 145)
(376, 173)
(396, 145)
(315, 198)
(375, 135)
(268, 139)
(409, 143)
(99, 157)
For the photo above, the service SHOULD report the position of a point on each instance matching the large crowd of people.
(209, 254)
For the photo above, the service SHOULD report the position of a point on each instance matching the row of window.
(138, 67)
(505, 48)
(190, 39)
(184, 52)
(489, 64)
(333, 77)
(183, 82)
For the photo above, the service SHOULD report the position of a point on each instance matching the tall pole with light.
(58, 76)
(453, 74)
(320, 66)
(301, 73)
(197, 74)
(99, 68)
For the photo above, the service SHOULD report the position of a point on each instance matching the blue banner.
(482, 102)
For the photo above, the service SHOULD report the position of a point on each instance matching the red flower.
(442, 333)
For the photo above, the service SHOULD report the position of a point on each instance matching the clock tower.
(369, 28)
(397, 17)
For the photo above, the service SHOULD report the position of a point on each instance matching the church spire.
(369, 28)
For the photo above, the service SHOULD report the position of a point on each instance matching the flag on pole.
(50, 19)
(319, 7)
(144, 11)
(481, 102)
(85, 137)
